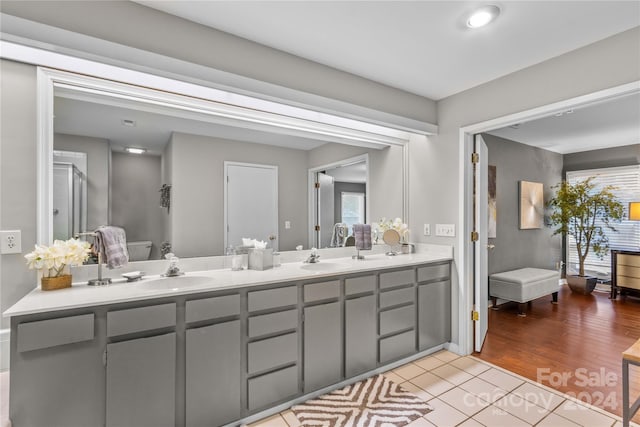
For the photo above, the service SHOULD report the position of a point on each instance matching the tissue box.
(260, 259)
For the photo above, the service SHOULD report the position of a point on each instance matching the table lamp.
(634, 211)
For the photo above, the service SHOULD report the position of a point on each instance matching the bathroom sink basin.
(323, 266)
(174, 283)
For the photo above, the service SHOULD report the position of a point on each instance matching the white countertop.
(81, 295)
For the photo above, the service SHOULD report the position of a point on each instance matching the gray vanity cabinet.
(360, 335)
(57, 374)
(434, 314)
(141, 382)
(213, 374)
(322, 346)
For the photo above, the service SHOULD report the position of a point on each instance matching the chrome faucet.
(313, 257)
(100, 281)
(173, 269)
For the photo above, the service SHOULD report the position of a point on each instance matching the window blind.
(626, 179)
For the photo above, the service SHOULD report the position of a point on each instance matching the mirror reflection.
(176, 181)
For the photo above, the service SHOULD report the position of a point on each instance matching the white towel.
(112, 242)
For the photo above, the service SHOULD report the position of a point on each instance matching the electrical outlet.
(10, 242)
(446, 230)
(287, 225)
(427, 230)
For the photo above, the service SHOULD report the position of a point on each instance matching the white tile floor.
(467, 392)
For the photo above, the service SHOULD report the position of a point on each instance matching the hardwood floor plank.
(581, 337)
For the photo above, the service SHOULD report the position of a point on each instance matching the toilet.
(139, 251)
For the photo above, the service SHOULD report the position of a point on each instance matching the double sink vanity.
(216, 347)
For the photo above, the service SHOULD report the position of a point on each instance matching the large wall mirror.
(160, 165)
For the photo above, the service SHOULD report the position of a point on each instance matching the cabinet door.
(213, 374)
(141, 382)
(322, 346)
(360, 335)
(434, 314)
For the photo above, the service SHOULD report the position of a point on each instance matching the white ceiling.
(354, 173)
(603, 125)
(422, 47)
(153, 130)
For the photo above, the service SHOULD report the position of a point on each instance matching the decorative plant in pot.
(583, 211)
(54, 262)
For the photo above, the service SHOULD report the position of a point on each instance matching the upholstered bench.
(523, 286)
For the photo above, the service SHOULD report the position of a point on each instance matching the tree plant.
(583, 211)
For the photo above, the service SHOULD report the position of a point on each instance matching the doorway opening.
(339, 198)
(548, 338)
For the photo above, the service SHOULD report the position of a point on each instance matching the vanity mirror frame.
(220, 106)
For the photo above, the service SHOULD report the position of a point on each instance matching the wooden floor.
(581, 336)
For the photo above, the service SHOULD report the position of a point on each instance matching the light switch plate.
(427, 230)
(446, 230)
(10, 242)
(287, 225)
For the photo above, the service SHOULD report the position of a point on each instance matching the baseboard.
(5, 335)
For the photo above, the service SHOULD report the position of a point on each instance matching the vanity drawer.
(271, 388)
(273, 352)
(212, 308)
(632, 260)
(398, 296)
(273, 298)
(431, 272)
(396, 278)
(397, 346)
(54, 332)
(141, 319)
(274, 322)
(357, 285)
(320, 291)
(628, 282)
(397, 319)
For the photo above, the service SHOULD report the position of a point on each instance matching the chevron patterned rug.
(374, 402)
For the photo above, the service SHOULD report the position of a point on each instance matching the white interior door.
(326, 214)
(481, 225)
(251, 203)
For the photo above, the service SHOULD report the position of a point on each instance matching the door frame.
(225, 203)
(465, 188)
(312, 193)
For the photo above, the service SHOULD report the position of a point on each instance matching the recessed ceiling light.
(128, 122)
(134, 150)
(483, 16)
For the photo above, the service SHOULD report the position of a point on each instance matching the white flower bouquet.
(384, 224)
(55, 260)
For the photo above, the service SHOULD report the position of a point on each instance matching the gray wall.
(97, 150)
(17, 177)
(135, 198)
(605, 158)
(166, 166)
(515, 248)
(198, 191)
(349, 187)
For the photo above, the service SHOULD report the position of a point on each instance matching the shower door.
(68, 206)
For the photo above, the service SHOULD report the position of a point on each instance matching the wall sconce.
(634, 211)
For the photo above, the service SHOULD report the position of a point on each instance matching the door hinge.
(104, 358)
(475, 236)
(317, 228)
(475, 316)
(316, 185)
(475, 157)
